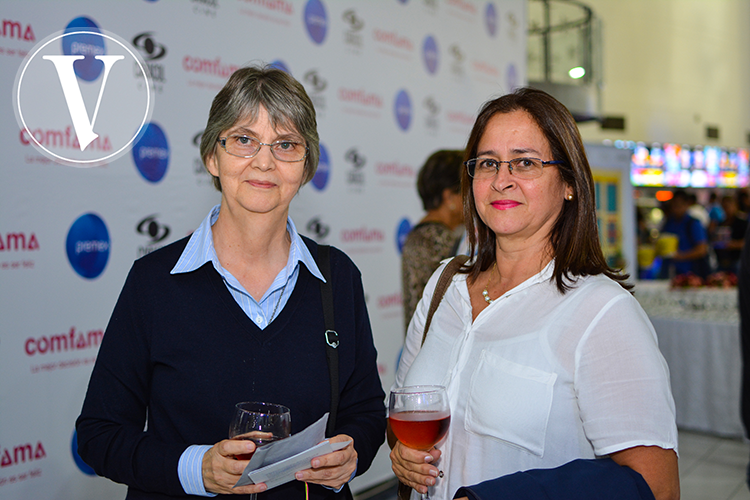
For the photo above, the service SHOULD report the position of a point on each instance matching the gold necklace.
(485, 293)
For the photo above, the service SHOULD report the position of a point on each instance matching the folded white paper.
(277, 462)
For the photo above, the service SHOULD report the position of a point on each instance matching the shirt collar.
(200, 249)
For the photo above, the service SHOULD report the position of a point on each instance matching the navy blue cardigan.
(179, 352)
(593, 479)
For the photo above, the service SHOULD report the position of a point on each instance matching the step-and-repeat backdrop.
(391, 80)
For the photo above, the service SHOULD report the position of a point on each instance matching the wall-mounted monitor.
(675, 165)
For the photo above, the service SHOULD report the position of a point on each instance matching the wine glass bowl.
(419, 416)
(261, 423)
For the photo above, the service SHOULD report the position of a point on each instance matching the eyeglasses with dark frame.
(244, 146)
(522, 168)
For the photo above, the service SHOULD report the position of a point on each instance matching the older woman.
(234, 313)
(545, 355)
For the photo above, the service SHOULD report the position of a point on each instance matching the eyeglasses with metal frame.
(522, 168)
(244, 146)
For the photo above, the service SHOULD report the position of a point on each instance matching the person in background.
(234, 313)
(716, 214)
(434, 238)
(692, 249)
(698, 211)
(549, 363)
(730, 236)
(743, 289)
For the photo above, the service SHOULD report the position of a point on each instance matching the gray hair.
(283, 97)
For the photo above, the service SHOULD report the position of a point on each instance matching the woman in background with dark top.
(234, 313)
(730, 236)
(434, 238)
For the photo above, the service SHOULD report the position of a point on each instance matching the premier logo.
(103, 106)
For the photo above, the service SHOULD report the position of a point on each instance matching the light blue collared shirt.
(199, 250)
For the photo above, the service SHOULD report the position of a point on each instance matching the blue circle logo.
(88, 68)
(490, 19)
(403, 230)
(279, 64)
(88, 245)
(151, 153)
(316, 20)
(402, 109)
(82, 466)
(511, 76)
(320, 180)
(430, 54)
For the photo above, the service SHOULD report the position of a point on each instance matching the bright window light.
(577, 72)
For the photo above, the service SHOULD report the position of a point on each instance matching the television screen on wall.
(675, 165)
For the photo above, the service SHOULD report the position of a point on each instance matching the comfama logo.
(22, 453)
(63, 342)
(88, 245)
(103, 105)
(14, 29)
(18, 242)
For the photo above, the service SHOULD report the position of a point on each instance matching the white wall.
(673, 67)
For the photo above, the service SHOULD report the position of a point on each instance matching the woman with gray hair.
(233, 313)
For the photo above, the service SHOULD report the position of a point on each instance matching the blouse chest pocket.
(510, 402)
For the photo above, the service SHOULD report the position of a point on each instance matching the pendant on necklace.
(486, 296)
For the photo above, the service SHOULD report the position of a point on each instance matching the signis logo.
(151, 153)
(316, 20)
(402, 109)
(88, 245)
(320, 180)
(490, 19)
(430, 54)
(78, 82)
(404, 226)
(82, 466)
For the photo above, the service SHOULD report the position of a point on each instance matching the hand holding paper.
(277, 463)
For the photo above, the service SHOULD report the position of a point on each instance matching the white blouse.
(539, 378)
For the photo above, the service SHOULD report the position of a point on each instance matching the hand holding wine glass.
(261, 423)
(419, 416)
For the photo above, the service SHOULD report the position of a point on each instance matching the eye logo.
(317, 83)
(351, 19)
(318, 228)
(403, 110)
(490, 19)
(103, 105)
(153, 229)
(151, 153)
(356, 159)
(316, 20)
(430, 54)
(150, 48)
(401, 233)
(320, 179)
(88, 245)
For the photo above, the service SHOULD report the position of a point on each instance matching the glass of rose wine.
(419, 416)
(261, 423)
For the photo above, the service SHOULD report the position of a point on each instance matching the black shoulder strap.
(330, 335)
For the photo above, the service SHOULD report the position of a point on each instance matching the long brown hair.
(574, 239)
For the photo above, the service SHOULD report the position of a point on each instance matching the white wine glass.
(261, 423)
(419, 416)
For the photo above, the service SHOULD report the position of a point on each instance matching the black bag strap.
(330, 335)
